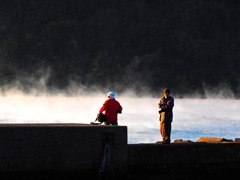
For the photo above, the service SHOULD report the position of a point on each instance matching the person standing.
(166, 115)
(112, 108)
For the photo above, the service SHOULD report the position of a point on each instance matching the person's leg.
(114, 123)
(162, 130)
(168, 127)
(107, 123)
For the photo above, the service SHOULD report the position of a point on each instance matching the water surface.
(192, 119)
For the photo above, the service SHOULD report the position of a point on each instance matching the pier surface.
(78, 151)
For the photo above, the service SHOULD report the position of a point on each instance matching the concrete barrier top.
(50, 124)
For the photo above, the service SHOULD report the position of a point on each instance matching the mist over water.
(81, 47)
(192, 118)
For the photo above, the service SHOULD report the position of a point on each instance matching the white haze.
(193, 118)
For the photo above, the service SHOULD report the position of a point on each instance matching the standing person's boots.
(166, 141)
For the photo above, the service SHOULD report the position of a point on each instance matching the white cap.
(111, 94)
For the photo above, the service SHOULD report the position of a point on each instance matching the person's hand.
(161, 110)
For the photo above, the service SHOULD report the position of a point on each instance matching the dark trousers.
(165, 130)
(114, 123)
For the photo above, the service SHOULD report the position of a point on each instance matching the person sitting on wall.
(112, 108)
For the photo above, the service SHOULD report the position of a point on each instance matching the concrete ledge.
(75, 151)
(43, 150)
(183, 160)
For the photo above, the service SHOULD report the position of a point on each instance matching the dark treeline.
(186, 45)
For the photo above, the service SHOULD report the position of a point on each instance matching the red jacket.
(111, 108)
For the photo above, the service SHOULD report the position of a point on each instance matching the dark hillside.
(186, 45)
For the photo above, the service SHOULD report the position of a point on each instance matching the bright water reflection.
(193, 118)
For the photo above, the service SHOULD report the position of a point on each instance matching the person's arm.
(103, 108)
(166, 106)
(120, 108)
(169, 105)
(161, 104)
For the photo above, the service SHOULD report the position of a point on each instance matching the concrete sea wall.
(78, 151)
(193, 161)
(60, 151)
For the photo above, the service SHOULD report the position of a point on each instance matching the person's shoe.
(166, 142)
